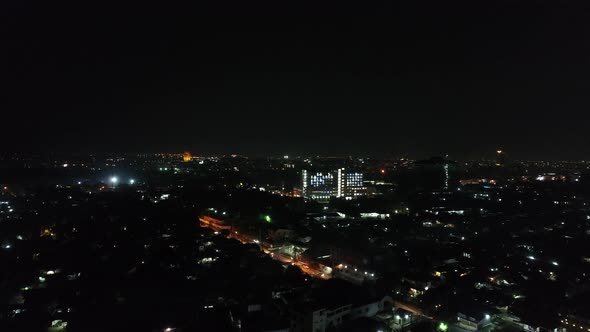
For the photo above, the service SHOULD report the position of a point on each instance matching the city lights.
(274, 242)
(405, 167)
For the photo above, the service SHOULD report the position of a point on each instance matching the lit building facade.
(321, 186)
(320, 317)
(186, 157)
(354, 186)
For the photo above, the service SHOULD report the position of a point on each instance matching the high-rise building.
(186, 157)
(322, 185)
(354, 186)
(500, 158)
(434, 174)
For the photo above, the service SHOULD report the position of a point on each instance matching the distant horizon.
(281, 156)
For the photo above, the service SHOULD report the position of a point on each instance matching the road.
(285, 259)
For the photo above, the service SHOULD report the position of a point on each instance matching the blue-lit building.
(323, 185)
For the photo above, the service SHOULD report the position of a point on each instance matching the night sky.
(400, 78)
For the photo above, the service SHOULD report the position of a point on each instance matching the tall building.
(323, 185)
(500, 158)
(354, 186)
(186, 157)
(435, 174)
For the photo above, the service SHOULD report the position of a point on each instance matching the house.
(337, 302)
(473, 318)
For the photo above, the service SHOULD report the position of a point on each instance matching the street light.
(114, 180)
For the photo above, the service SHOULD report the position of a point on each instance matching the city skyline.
(181, 242)
(295, 166)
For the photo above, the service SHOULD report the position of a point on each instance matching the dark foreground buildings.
(227, 243)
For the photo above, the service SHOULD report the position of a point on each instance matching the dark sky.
(413, 78)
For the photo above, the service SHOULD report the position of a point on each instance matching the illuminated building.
(327, 314)
(321, 186)
(446, 180)
(186, 157)
(472, 319)
(500, 158)
(354, 186)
